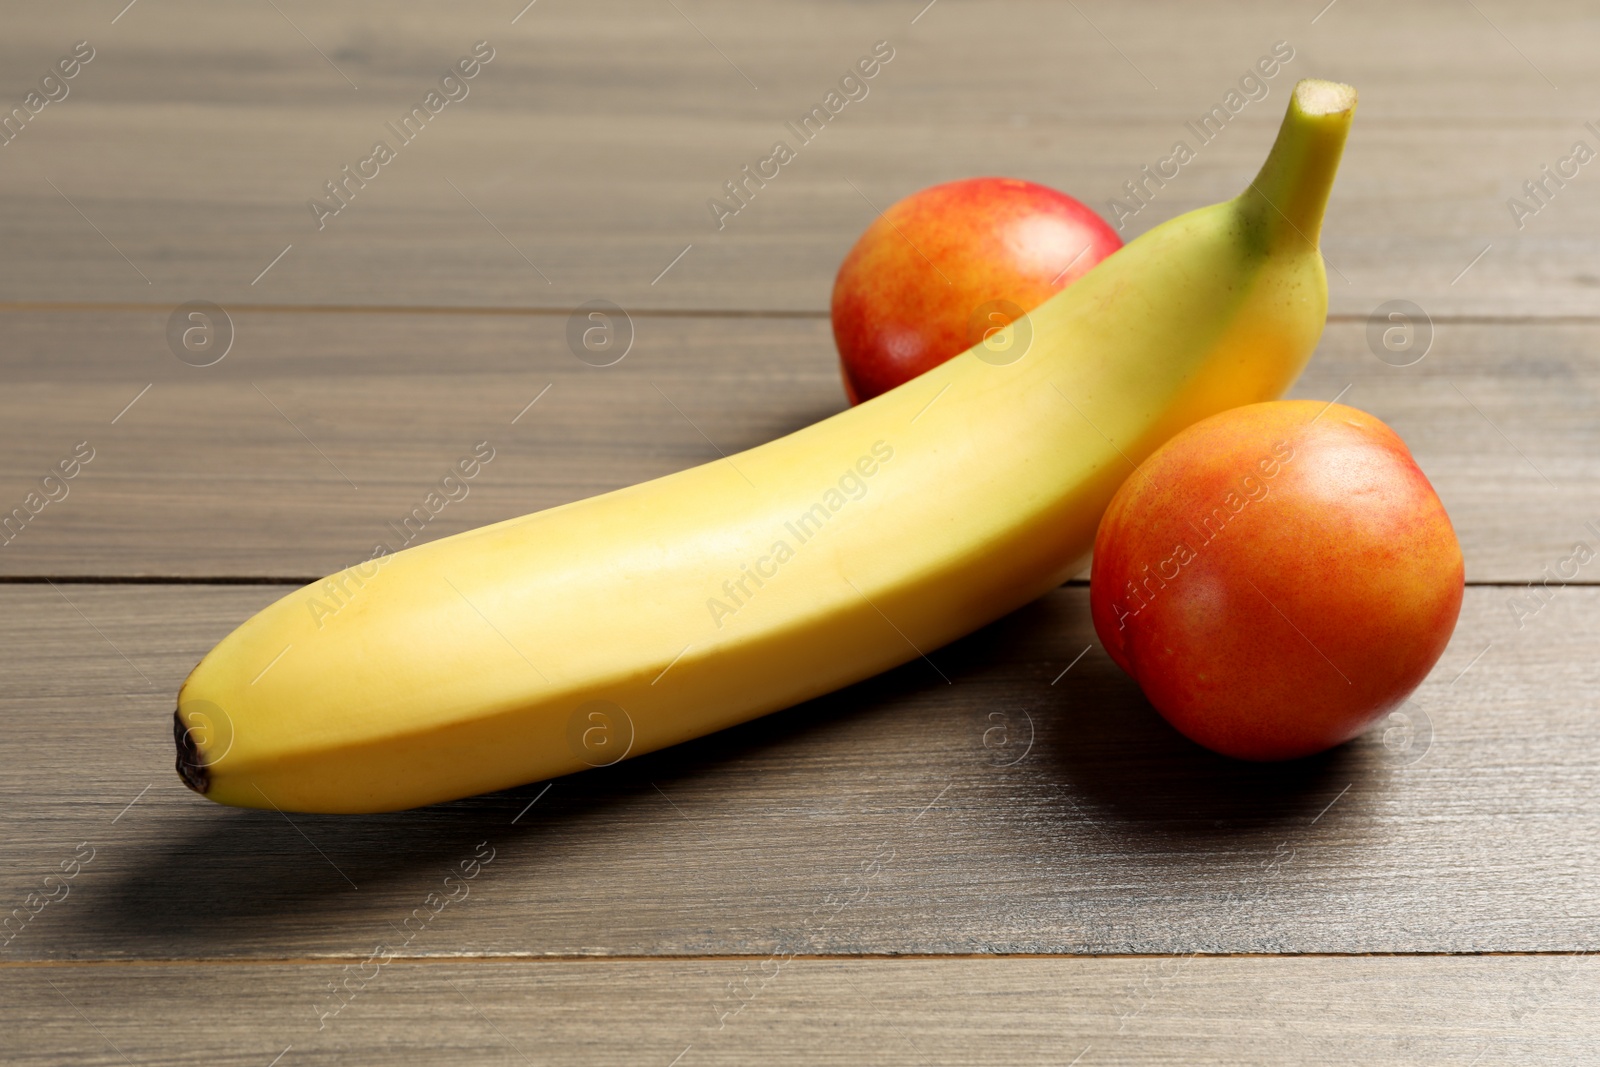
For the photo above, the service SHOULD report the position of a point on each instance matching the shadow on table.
(1102, 744)
(213, 880)
(216, 877)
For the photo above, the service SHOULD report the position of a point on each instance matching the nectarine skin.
(1277, 577)
(910, 293)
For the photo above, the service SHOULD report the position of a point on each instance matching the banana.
(648, 616)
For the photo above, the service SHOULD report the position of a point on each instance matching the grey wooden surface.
(288, 458)
(1185, 1011)
(1025, 866)
(599, 130)
(1017, 810)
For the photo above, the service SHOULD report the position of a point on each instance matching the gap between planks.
(734, 957)
(298, 580)
(663, 313)
(405, 309)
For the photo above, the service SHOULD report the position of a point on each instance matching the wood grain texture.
(687, 1013)
(1017, 810)
(742, 898)
(318, 433)
(596, 136)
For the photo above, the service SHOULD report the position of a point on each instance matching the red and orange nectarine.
(942, 266)
(1277, 578)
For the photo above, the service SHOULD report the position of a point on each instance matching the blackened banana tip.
(190, 769)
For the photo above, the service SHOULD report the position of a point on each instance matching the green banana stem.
(1287, 199)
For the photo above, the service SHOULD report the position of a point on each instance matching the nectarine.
(943, 266)
(1277, 577)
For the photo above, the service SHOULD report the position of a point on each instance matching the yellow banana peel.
(634, 620)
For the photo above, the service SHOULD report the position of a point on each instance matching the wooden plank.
(319, 433)
(1485, 1010)
(595, 137)
(1017, 810)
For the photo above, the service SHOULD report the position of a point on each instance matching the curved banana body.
(632, 621)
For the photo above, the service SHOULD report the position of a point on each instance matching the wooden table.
(1024, 866)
